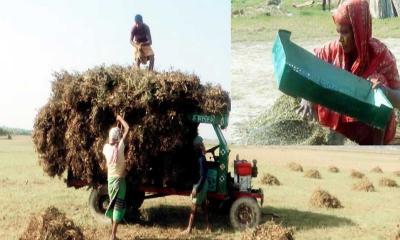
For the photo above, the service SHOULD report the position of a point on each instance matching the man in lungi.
(116, 171)
(141, 41)
(199, 192)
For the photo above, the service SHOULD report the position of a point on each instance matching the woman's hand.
(376, 82)
(392, 94)
(306, 110)
(121, 120)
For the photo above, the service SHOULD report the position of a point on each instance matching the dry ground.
(25, 190)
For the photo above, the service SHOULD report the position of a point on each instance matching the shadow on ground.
(304, 220)
(176, 217)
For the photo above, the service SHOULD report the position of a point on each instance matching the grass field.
(305, 24)
(25, 190)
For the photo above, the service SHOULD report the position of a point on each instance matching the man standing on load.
(199, 192)
(141, 41)
(116, 165)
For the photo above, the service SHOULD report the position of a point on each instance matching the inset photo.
(315, 73)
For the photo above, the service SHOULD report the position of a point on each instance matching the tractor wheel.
(245, 213)
(98, 203)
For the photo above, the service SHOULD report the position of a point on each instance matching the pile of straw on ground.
(397, 233)
(295, 167)
(387, 182)
(333, 169)
(312, 173)
(321, 198)
(356, 174)
(269, 231)
(377, 169)
(364, 185)
(269, 179)
(52, 224)
(72, 128)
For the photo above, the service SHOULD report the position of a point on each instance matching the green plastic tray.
(299, 73)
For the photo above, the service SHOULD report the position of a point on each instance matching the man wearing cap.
(141, 41)
(116, 171)
(199, 192)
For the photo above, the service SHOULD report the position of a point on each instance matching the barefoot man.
(141, 41)
(114, 154)
(199, 192)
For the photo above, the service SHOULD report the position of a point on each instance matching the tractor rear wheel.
(98, 203)
(245, 213)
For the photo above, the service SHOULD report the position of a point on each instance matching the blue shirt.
(203, 172)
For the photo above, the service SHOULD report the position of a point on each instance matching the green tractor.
(233, 193)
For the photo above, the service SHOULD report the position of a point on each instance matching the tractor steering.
(212, 151)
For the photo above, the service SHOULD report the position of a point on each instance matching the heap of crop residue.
(312, 173)
(396, 173)
(269, 179)
(295, 167)
(387, 182)
(282, 125)
(333, 169)
(397, 233)
(356, 174)
(269, 231)
(376, 169)
(52, 224)
(71, 129)
(364, 185)
(321, 198)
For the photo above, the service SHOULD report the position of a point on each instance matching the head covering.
(197, 140)
(138, 18)
(114, 134)
(356, 14)
(113, 137)
(374, 59)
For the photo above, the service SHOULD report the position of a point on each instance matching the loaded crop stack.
(71, 129)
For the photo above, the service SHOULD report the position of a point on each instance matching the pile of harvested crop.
(321, 198)
(52, 224)
(269, 179)
(377, 169)
(333, 169)
(356, 174)
(282, 125)
(364, 185)
(387, 182)
(71, 129)
(397, 234)
(269, 231)
(396, 173)
(295, 167)
(312, 173)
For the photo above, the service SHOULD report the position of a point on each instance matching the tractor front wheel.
(245, 213)
(98, 203)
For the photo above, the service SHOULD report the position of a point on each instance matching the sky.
(41, 37)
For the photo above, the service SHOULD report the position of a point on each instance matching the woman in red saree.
(357, 52)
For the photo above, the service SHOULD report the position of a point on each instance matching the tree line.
(14, 131)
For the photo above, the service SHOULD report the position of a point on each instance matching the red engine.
(243, 172)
